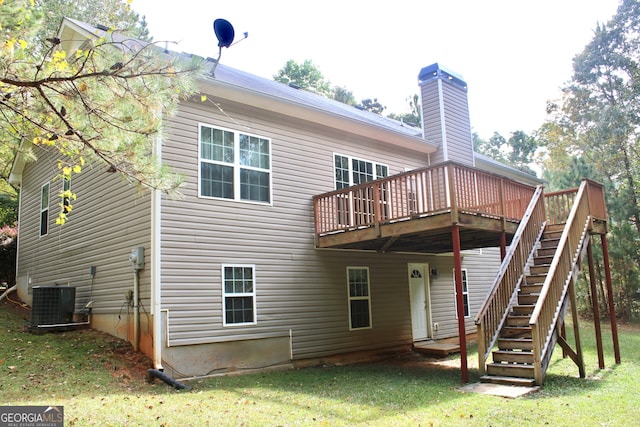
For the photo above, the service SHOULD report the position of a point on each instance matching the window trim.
(237, 167)
(465, 293)
(225, 295)
(46, 209)
(350, 163)
(359, 298)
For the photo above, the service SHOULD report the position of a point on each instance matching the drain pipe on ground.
(8, 291)
(136, 258)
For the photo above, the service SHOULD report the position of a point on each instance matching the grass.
(99, 381)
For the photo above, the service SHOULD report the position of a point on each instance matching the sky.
(515, 55)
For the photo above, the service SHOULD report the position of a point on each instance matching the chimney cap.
(435, 71)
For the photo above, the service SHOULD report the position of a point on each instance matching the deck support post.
(503, 245)
(612, 309)
(457, 263)
(576, 328)
(595, 305)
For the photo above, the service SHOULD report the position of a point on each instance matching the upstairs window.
(234, 165)
(351, 171)
(44, 210)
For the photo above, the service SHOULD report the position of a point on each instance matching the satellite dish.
(224, 32)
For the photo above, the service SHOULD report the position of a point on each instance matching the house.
(268, 256)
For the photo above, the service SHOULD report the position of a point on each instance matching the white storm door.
(420, 301)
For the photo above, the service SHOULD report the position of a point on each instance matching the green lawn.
(86, 372)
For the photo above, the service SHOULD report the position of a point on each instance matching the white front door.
(420, 301)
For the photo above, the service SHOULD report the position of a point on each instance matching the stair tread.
(527, 352)
(511, 365)
(498, 379)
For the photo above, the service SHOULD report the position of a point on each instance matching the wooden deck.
(415, 211)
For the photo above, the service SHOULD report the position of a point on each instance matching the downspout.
(156, 303)
(156, 300)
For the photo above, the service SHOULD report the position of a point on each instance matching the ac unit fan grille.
(52, 305)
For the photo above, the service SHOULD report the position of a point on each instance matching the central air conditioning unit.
(52, 305)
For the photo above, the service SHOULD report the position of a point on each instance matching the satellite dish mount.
(225, 34)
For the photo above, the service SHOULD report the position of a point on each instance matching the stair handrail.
(554, 289)
(495, 309)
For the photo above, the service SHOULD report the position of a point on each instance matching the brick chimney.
(445, 114)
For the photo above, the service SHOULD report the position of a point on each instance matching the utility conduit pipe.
(136, 310)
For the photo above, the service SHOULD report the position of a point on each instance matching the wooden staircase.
(513, 360)
(521, 319)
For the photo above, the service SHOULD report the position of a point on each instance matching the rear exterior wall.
(301, 292)
(109, 218)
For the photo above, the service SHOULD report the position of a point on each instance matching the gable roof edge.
(242, 94)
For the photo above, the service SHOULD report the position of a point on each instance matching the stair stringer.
(568, 294)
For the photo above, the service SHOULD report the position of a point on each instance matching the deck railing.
(447, 187)
(495, 309)
(590, 196)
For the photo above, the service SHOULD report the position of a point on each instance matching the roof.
(275, 96)
(308, 99)
(491, 165)
(243, 87)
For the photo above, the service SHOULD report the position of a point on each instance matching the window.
(359, 300)
(234, 165)
(66, 195)
(44, 210)
(350, 171)
(239, 294)
(465, 293)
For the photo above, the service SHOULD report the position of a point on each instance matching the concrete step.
(515, 344)
(510, 370)
(514, 381)
(522, 357)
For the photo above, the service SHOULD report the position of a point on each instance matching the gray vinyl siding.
(300, 290)
(456, 121)
(481, 271)
(108, 219)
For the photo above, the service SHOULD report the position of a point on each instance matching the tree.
(305, 76)
(414, 117)
(371, 105)
(598, 120)
(114, 13)
(103, 101)
(518, 151)
(344, 95)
